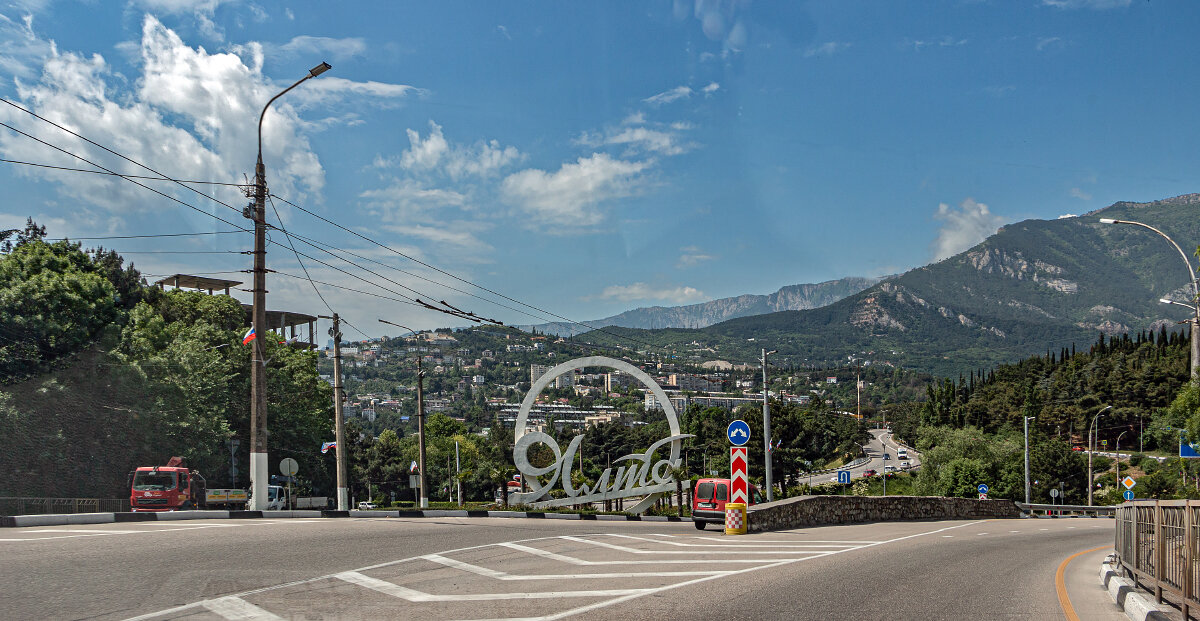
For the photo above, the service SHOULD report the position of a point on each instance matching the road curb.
(65, 519)
(1136, 604)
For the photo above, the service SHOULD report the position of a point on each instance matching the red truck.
(166, 488)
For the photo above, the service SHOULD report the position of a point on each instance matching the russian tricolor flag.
(249, 336)
(325, 446)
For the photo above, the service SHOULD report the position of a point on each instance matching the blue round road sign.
(738, 433)
(1128, 494)
(983, 488)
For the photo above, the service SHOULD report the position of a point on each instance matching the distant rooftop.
(201, 283)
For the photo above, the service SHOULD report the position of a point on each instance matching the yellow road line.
(1061, 586)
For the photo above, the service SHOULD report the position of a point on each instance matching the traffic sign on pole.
(1128, 482)
(739, 482)
(983, 488)
(844, 477)
(1128, 494)
(738, 433)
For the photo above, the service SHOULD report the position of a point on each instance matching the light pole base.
(258, 482)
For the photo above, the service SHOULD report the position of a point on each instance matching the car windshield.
(147, 481)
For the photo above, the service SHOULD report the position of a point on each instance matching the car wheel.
(699, 524)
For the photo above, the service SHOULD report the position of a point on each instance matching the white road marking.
(757, 541)
(578, 561)
(413, 595)
(613, 546)
(236, 609)
(82, 530)
(948, 536)
(1044, 529)
(500, 575)
(742, 545)
(980, 533)
(1014, 531)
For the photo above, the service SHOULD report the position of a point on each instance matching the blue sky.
(588, 158)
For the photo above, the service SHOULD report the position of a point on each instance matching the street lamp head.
(319, 69)
(1109, 221)
(1165, 301)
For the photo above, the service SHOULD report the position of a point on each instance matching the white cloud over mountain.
(963, 227)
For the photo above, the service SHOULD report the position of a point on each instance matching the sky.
(539, 161)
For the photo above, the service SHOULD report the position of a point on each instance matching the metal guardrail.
(1034, 508)
(1157, 542)
(12, 505)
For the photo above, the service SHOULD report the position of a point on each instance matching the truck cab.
(709, 498)
(165, 488)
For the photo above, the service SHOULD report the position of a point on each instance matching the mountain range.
(791, 297)
(1033, 287)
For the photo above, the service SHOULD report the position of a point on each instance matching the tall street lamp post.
(1092, 449)
(424, 503)
(1119, 453)
(258, 371)
(767, 427)
(1194, 306)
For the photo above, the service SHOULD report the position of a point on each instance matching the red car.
(870, 472)
(709, 498)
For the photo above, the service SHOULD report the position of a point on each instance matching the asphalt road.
(881, 444)
(461, 568)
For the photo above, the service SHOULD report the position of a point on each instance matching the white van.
(902, 453)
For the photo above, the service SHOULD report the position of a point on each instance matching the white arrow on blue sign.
(738, 433)
(1128, 494)
(844, 476)
(983, 488)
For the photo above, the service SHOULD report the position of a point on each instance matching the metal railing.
(1156, 542)
(36, 506)
(1056, 509)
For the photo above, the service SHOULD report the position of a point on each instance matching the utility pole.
(343, 492)
(258, 371)
(458, 472)
(767, 427)
(421, 433)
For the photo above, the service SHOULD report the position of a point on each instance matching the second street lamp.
(1194, 306)
(1092, 449)
(258, 321)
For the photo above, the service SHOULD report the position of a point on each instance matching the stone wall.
(821, 510)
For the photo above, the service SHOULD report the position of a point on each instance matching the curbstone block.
(192, 515)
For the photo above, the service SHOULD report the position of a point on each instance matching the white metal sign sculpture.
(639, 476)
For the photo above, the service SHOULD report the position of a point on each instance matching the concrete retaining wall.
(821, 510)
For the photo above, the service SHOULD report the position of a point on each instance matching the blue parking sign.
(983, 488)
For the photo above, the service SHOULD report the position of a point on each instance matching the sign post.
(288, 468)
(738, 433)
(983, 490)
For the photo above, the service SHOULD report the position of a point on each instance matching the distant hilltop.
(704, 314)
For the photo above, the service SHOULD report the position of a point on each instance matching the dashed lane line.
(743, 546)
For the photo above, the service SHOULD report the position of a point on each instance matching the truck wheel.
(187, 506)
(699, 524)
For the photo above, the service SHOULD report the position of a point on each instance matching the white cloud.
(666, 97)
(1045, 42)
(435, 153)
(637, 118)
(1068, 215)
(1097, 5)
(692, 256)
(828, 48)
(946, 41)
(719, 21)
(640, 291)
(336, 49)
(638, 140)
(406, 200)
(21, 50)
(188, 115)
(504, 31)
(571, 196)
(1080, 194)
(711, 88)
(201, 10)
(961, 229)
(458, 234)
